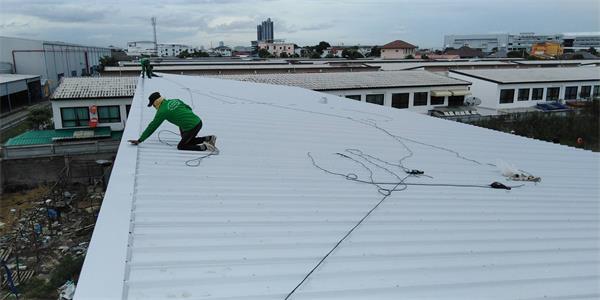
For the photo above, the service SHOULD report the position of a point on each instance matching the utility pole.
(153, 20)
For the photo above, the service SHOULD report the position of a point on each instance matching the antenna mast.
(153, 20)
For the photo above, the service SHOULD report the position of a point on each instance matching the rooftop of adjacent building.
(71, 88)
(45, 137)
(6, 78)
(530, 75)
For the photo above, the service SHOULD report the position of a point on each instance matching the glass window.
(109, 114)
(375, 98)
(523, 95)
(507, 96)
(570, 92)
(586, 90)
(354, 97)
(537, 94)
(127, 109)
(420, 99)
(75, 116)
(552, 93)
(437, 100)
(596, 91)
(400, 100)
(456, 100)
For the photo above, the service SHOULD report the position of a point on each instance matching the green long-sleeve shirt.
(174, 111)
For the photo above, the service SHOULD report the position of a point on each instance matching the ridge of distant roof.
(398, 44)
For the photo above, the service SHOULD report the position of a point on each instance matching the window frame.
(78, 122)
(354, 97)
(569, 95)
(505, 100)
(396, 97)
(377, 96)
(109, 119)
(539, 96)
(422, 102)
(520, 94)
(587, 88)
(434, 100)
(548, 96)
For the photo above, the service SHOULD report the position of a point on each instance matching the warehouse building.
(503, 90)
(19, 91)
(49, 60)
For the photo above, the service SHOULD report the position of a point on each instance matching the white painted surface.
(121, 102)
(251, 222)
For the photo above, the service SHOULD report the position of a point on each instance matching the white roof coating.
(196, 67)
(535, 74)
(95, 87)
(6, 78)
(349, 80)
(254, 220)
(415, 65)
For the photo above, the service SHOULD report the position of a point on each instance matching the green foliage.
(67, 269)
(517, 54)
(424, 56)
(566, 130)
(577, 56)
(322, 46)
(39, 118)
(375, 52)
(410, 56)
(185, 53)
(315, 55)
(107, 61)
(593, 51)
(283, 55)
(264, 53)
(351, 53)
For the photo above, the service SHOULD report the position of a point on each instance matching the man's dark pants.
(189, 140)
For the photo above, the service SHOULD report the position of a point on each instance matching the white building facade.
(91, 102)
(523, 88)
(277, 48)
(165, 50)
(139, 48)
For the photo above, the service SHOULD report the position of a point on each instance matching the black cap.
(153, 97)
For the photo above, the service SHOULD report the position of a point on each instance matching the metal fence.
(83, 147)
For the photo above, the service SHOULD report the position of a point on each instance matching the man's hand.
(134, 142)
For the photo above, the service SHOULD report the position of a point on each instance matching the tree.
(329, 55)
(39, 118)
(283, 55)
(517, 54)
(183, 54)
(593, 51)
(375, 52)
(263, 53)
(106, 61)
(424, 56)
(409, 57)
(322, 46)
(577, 56)
(315, 55)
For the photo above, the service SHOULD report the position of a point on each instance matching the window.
(437, 100)
(375, 99)
(456, 100)
(420, 99)
(596, 91)
(75, 116)
(571, 92)
(537, 94)
(523, 95)
(60, 75)
(74, 73)
(400, 100)
(585, 91)
(109, 114)
(354, 97)
(507, 96)
(552, 93)
(127, 109)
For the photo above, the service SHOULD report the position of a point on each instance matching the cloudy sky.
(305, 22)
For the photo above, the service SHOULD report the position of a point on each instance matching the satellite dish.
(472, 101)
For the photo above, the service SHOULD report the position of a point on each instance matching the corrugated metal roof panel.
(95, 87)
(253, 221)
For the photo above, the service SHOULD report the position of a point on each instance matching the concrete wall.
(396, 53)
(121, 102)
(389, 91)
(18, 174)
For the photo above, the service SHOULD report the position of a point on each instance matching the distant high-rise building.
(264, 31)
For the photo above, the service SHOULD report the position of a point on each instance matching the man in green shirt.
(146, 68)
(180, 114)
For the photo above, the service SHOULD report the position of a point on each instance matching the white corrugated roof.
(6, 78)
(351, 80)
(95, 87)
(253, 221)
(535, 74)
